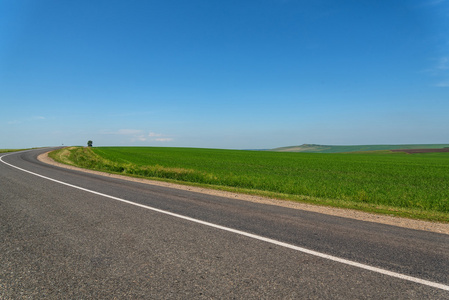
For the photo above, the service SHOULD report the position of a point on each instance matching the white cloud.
(140, 138)
(128, 131)
(164, 139)
(134, 135)
(152, 134)
(137, 135)
(159, 137)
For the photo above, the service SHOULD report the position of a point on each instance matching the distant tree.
(89, 144)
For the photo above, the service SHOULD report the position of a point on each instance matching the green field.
(313, 148)
(395, 183)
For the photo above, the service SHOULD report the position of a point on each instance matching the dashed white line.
(250, 235)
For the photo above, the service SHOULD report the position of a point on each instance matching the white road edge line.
(250, 235)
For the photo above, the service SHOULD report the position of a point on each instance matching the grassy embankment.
(415, 186)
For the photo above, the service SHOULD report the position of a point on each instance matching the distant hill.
(313, 148)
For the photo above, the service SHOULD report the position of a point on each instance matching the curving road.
(68, 234)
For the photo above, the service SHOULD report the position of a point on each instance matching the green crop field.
(414, 185)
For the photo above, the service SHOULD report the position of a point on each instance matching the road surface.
(69, 234)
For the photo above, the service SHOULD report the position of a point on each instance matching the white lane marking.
(250, 235)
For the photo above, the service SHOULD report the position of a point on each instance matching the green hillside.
(312, 148)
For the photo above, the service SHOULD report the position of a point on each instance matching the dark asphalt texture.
(57, 242)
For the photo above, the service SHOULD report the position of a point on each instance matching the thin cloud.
(443, 84)
(443, 63)
(132, 114)
(152, 134)
(159, 137)
(431, 3)
(134, 135)
(436, 2)
(440, 66)
(124, 132)
(128, 131)
(140, 138)
(440, 71)
(31, 119)
(138, 135)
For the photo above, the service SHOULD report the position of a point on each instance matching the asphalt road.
(60, 242)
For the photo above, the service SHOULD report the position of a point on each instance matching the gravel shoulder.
(346, 213)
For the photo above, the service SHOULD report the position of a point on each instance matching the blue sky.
(223, 74)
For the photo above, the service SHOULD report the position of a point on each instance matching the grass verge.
(10, 150)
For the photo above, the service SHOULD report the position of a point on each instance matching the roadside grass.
(64, 155)
(414, 186)
(10, 150)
